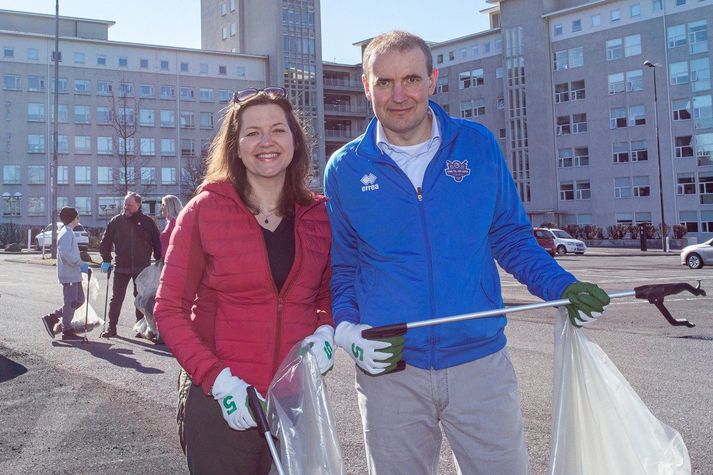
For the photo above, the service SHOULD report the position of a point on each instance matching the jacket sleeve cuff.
(346, 315)
(210, 377)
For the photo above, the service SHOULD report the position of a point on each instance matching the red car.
(545, 240)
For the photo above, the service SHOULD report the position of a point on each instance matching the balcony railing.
(345, 134)
(342, 82)
(345, 108)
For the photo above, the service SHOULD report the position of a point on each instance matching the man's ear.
(365, 83)
(434, 79)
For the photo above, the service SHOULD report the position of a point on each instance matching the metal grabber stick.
(86, 305)
(106, 297)
(654, 293)
(264, 428)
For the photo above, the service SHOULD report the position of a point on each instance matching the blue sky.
(177, 22)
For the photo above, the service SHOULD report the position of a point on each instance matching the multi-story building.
(564, 85)
(288, 33)
(130, 115)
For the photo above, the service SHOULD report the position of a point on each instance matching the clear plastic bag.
(146, 286)
(86, 311)
(300, 415)
(600, 425)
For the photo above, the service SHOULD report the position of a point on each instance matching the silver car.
(44, 238)
(698, 255)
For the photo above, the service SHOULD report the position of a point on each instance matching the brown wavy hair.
(224, 164)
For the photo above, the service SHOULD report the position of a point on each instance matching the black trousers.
(121, 281)
(212, 447)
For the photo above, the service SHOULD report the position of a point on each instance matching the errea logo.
(369, 182)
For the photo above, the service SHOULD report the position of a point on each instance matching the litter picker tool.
(264, 428)
(106, 297)
(86, 310)
(654, 294)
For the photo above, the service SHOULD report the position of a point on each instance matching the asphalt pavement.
(108, 406)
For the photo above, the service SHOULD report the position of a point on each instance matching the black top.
(132, 239)
(280, 245)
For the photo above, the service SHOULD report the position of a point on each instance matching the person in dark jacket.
(421, 207)
(132, 236)
(245, 278)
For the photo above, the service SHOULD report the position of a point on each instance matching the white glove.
(232, 395)
(365, 352)
(321, 344)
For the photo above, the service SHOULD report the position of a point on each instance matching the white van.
(565, 243)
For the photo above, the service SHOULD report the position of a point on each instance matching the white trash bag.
(300, 415)
(146, 286)
(90, 301)
(600, 425)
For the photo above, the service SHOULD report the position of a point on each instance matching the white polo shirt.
(412, 159)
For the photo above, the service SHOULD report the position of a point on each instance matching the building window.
(637, 115)
(35, 83)
(62, 179)
(705, 190)
(127, 146)
(35, 143)
(104, 146)
(685, 184)
(123, 62)
(615, 49)
(680, 3)
(232, 5)
(147, 147)
(596, 20)
(146, 90)
(576, 57)
(168, 92)
(681, 109)
(656, 5)
(101, 60)
(240, 71)
(707, 221)
(684, 146)
(560, 60)
(206, 120)
(82, 175)
(583, 190)
(622, 187)
(82, 115)
(143, 63)
(639, 153)
(187, 120)
(565, 158)
(439, 59)
(63, 84)
(564, 126)
(33, 54)
(168, 176)
(127, 176)
(698, 36)
(62, 113)
(8, 52)
(11, 82)
(36, 206)
(233, 29)
(557, 29)
(35, 112)
(567, 191)
(148, 175)
(700, 74)
(105, 176)
(164, 65)
(620, 152)
(632, 45)
(635, 10)
(11, 174)
(581, 156)
(126, 89)
(188, 148)
(676, 36)
(168, 118)
(82, 144)
(579, 123)
(104, 88)
(205, 94)
(634, 80)
(104, 115)
(203, 68)
(224, 95)
(678, 72)
(561, 92)
(224, 33)
(576, 25)
(186, 93)
(615, 15)
(168, 147)
(704, 150)
(184, 67)
(616, 83)
(36, 175)
(82, 86)
(689, 219)
(126, 116)
(702, 112)
(146, 117)
(641, 186)
(617, 118)
(223, 9)
(222, 70)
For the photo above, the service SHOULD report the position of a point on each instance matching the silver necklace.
(267, 216)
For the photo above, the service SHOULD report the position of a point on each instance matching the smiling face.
(266, 145)
(398, 85)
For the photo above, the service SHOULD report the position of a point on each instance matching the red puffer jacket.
(217, 305)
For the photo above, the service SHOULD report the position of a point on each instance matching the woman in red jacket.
(170, 207)
(245, 277)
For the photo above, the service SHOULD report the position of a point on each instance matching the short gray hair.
(134, 195)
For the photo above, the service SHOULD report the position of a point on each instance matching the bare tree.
(124, 117)
(192, 174)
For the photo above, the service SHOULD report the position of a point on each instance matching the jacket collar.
(369, 149)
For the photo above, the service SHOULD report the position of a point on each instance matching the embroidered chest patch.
(457, 169)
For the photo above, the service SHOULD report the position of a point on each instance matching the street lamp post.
(653, 66)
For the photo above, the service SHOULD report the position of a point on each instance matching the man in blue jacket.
(421, 206)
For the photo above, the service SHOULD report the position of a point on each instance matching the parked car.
(564, 242)
(696, 256)
(545, 240)
(45, 236)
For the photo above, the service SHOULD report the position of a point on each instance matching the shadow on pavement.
(106, 351)
(10, 369)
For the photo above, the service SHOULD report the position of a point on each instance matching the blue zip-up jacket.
(403, 256)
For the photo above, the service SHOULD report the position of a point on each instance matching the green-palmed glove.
(587, 302)
(373, 356)
(232, 395)
(321, 344)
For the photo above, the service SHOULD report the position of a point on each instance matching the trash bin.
(642, 237)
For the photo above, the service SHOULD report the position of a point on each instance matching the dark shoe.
(71, 336)
(157, 341)
(108, 333)
(49, 321)
(138, 335)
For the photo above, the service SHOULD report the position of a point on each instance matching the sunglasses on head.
(272, 92)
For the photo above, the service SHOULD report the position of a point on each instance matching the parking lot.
(108, 406)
